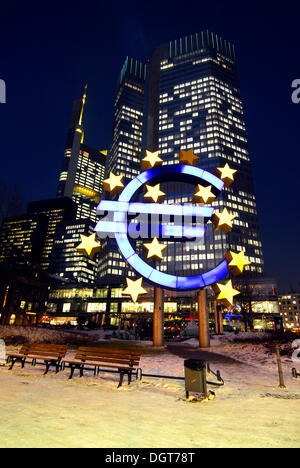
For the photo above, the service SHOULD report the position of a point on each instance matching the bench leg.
(129, 377)
(13, 361)
(48, 364)
(121, 378)
(72, 372)
(81, 371)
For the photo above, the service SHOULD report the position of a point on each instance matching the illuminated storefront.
(290, 311)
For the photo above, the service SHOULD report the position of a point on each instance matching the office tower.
(195, 103)
(125, 152)
(56, 211)
(21, 239)
(66, 262)
(290, 310)
(83, 168)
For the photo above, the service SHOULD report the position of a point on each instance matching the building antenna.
(83, 103)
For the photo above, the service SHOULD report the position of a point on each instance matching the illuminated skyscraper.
(21, 239)
(195, 103)
(66, 262)
(57, 211)
(125, 152)
(83, 168)
(192, 101)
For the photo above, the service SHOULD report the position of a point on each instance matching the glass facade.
(125, 153)
(83, 168)
(57, 211)
(290, 310)
(66, 262)
(88, 182)
(195, 103)
(21, 239)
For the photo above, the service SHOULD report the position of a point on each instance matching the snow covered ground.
(249, 411)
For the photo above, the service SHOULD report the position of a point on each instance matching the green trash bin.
(195, 376)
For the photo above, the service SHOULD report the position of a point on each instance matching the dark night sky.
(50, 49)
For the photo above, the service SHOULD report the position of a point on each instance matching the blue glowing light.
(232, 315)
(119, 226)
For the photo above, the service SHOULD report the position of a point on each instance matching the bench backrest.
(44, 350)
(110, 356)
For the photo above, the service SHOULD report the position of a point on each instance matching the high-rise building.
(29, 238)
(66, 262)
(57, 211)
(126, 146)
(83, 168)
(125, 152)
(21, 239)
(290, 310)
(192, 101)
(195, 103)
(50, 230)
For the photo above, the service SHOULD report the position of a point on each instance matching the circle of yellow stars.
(222, 220)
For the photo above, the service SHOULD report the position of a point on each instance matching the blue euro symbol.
(121, 229)
(232, 315)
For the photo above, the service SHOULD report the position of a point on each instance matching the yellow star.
(225, 293)
(89, 245)
(203, 195)
(188, 157)
(155, 249)
(154, 194)
(134, 289)
(226, 174)
(151, 160)
(237, 262)
(114, 184)
(223, 220)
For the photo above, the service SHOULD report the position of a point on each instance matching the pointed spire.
(83, 103)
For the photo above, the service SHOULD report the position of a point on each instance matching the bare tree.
(245, 299)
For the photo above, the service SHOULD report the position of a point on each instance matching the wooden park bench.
(48, 354)
(120, 361)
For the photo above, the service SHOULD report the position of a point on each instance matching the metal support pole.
(216, 317)
(204, 336)
(281, 380)
(158, 318)
(220, 315)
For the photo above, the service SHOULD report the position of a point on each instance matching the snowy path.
(250, 411)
